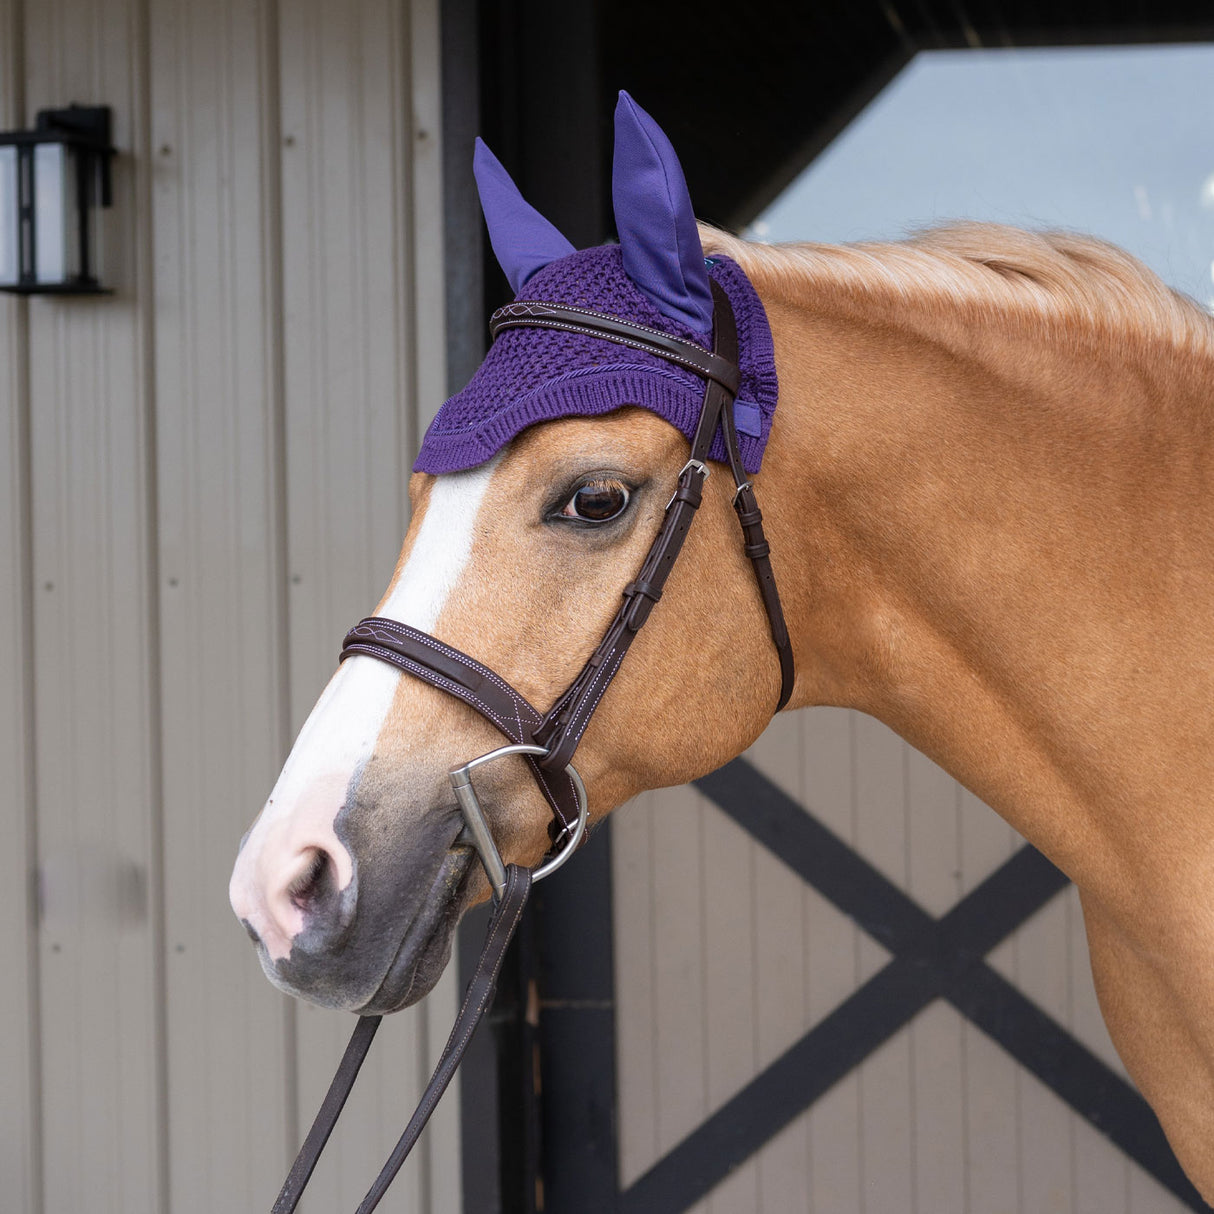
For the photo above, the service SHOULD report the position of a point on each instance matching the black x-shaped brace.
(932, 959)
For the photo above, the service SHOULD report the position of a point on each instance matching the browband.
(529, 313)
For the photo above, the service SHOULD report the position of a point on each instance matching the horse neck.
(998, 544)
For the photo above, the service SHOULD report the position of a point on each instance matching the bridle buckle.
(695, 465)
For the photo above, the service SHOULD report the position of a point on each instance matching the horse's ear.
(523, 240)
(653, 215)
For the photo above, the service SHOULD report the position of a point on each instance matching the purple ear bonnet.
(523, 240)
(655, 276)
(653, 216)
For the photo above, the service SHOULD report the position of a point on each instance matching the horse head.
(538, 491)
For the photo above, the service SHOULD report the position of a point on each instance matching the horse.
(989, 494)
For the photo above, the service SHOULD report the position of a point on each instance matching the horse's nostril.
(314, 882)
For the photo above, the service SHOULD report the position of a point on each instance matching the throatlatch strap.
(477, 999)
(750, 517)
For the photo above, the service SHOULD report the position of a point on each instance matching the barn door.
(840, 984)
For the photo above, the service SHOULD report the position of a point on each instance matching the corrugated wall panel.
(349, 316)
(439, 1149)
(19, 1055)
(19, 1120)
(428, 214)
(95, 663)
(146, 537)
(220, 531)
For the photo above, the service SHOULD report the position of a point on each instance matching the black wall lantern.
(53, 182)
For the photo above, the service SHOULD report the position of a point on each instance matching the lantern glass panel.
(10, 231)
(56, 224)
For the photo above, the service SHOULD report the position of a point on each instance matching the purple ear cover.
(654, 219)
(523, 240)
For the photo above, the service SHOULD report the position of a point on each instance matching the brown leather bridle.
(548, 740)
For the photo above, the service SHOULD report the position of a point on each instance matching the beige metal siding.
(95, 668)
(223, 722)
(204, 482)
(350, 406)
(19, 1093)
(725, 958)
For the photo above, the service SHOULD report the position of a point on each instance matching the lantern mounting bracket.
(88, 126)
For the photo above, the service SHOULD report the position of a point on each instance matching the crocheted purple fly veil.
(655, 276)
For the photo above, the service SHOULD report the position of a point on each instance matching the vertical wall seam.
(403, 126)
(33, 1028)
(276, 471)
(25, 532)
(418, 138)
(357, 203)
(408, 284)
(405, 288)
(145, 303)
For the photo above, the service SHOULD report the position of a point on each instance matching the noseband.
(548, 740)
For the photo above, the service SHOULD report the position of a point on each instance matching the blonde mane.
(1058, 282)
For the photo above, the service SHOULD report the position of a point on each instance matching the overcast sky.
(1118, 142)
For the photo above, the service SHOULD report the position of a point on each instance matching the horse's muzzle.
(381, 942)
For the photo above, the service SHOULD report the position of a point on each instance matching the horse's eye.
(597, 502)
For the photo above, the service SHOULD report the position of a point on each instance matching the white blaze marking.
(441, 549)
(340, 732)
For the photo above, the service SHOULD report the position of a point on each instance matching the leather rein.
(548, 740)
